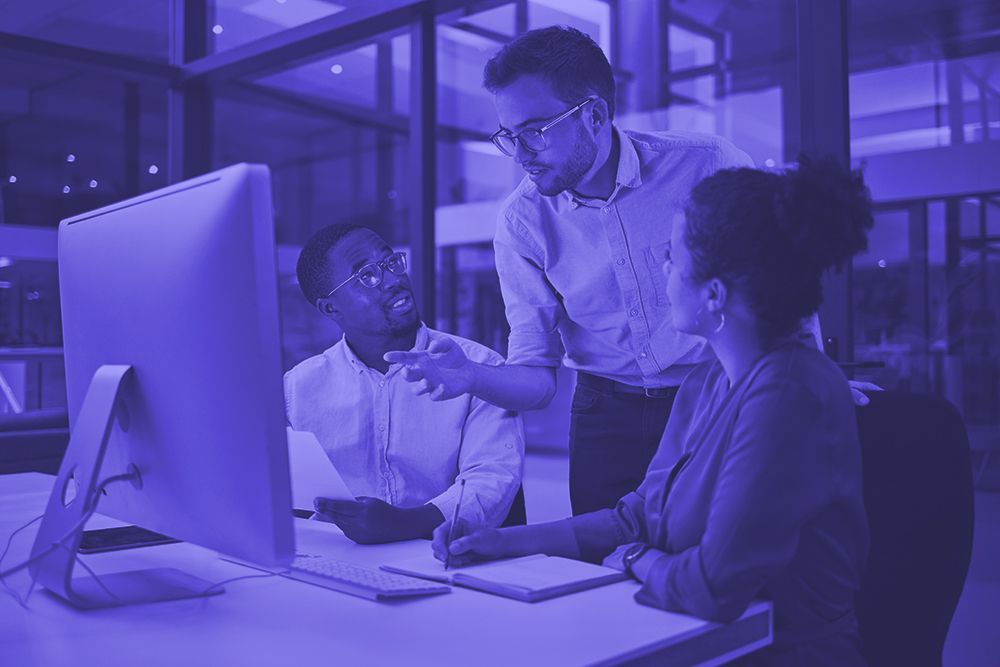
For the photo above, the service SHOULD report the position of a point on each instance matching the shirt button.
(633, 312)
(381, 383)
(621, 261)
(606, 209)
(642, 355)
(381, 428)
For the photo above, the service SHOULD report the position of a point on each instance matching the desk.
(276, 621)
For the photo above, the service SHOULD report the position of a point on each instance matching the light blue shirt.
(404, 449)
(581, 278)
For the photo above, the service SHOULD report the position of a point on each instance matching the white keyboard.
(357, 580)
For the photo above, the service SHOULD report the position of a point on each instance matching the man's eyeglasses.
(532, 138)
(371, 275)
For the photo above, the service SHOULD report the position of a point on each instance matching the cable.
(10, 540)
(60, 543)
(245, 576)
(90, 572)
(92, 509)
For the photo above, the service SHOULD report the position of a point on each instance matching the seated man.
(401, 453)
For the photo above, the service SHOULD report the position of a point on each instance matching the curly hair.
(568, 59)
(773, 235)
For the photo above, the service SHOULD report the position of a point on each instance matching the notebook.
(529, 579)
(312, 472)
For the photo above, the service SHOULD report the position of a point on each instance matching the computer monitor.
(173, 380)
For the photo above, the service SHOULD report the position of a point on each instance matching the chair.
(919, 500)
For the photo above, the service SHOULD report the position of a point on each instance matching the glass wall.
(925, 117)
(89, 110)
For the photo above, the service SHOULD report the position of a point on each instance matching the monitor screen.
(181, 285)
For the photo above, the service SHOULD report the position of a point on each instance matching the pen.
(451, 529)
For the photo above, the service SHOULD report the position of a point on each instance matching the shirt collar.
(420, 344)
(628, 175)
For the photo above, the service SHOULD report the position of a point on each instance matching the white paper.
(313, 474)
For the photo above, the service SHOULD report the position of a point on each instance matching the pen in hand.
(451, 529)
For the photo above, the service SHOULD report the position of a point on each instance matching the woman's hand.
(469, 545)
(616, 559)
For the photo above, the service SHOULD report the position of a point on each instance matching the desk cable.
(60, 543)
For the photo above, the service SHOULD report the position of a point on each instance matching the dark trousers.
(614, 431)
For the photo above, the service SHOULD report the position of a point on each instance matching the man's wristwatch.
(632, 555)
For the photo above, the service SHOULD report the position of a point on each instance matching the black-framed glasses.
(532, 138)
(371, 275)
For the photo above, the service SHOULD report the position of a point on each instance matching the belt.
(610, 386)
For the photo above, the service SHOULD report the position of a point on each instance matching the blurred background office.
(375, 108)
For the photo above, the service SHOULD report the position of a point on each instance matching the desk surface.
(279, 621)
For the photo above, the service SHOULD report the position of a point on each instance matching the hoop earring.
(722, 322)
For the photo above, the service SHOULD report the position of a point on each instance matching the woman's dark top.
(754, 493)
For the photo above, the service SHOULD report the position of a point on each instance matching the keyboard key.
(357, 580)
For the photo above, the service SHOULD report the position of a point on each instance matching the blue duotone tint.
(180, 284)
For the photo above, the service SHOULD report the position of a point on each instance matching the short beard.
(405, 328)
(577, 165)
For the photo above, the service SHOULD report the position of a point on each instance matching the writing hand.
(442, 371)
(471, 544)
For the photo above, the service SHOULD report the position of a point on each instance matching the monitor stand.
(73, 497)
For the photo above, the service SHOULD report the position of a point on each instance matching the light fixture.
(71, 158)
(66, 189)
(5, 262)
(153, 169)
(217, 29)
(337, 69)
(882, 264)
(93, 183)
(12, 179)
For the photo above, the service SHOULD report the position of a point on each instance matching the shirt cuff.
(472, 512)
(530, 348)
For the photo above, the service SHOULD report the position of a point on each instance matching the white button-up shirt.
(582, 279)
(408, 450)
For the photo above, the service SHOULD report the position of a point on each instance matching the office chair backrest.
(919, 500)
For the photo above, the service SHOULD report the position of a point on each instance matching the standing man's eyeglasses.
(371, 275)
(532, 138)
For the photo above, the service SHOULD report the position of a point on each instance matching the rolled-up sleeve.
(491, 461)
(532, 306)
(769, 484)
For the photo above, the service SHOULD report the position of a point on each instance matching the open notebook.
(529, 579)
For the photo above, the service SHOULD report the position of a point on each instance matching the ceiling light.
(71, 158)
(337, 69)
(153, 169)
(65, 189)
(93, 183)
(217, 29)
(12, 179)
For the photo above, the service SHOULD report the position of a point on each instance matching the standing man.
(579, 245)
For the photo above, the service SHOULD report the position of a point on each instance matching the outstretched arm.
(444, 372)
